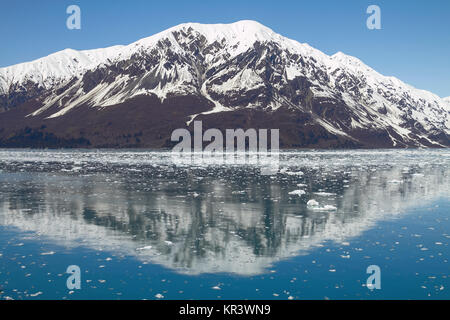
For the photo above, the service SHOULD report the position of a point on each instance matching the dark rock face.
(137, 102)
(19, 95)
(145, 122)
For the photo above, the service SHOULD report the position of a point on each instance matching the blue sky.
(413, 44)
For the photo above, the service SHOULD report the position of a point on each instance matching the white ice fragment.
(35, 294)
(312, 203)
(325, 194)
(144, 248)
(329, 207)
(297, 192)
(292, 173)
(47, 253)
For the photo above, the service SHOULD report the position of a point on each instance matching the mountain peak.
(350, 62)
(244, 32)
(237, 28)
(252, 24)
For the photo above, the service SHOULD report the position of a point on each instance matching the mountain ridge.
(244, 68)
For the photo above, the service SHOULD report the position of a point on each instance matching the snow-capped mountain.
(227, 75)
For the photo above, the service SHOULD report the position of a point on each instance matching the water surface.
(143, 226)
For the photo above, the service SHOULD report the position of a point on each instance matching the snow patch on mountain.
(55, 68)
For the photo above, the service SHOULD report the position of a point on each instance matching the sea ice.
(297, 192)
(312, 203)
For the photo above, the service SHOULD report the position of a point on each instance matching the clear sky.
(413, 44)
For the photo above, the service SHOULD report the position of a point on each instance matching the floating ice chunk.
(297, 192)
(47, 253)
(144, 248)
(325, 194)
(312, 203)
(216, 288)
(159, 296)
(36, 294)
(169, 243)
(291, 173)
(327, 207)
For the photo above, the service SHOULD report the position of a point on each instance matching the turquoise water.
(143, 226)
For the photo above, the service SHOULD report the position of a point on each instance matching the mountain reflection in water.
(207, 218)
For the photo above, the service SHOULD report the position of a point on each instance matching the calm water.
(143, 226)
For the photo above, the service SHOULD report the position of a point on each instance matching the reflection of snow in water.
(212, 218)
